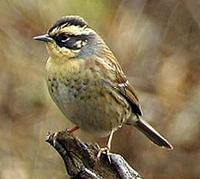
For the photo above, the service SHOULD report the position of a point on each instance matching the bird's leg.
(71, 130)
(106, 149)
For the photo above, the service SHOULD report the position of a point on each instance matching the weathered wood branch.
(81, 159)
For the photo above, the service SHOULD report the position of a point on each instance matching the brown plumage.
(87, 83)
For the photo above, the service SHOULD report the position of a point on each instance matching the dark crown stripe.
(69, 20)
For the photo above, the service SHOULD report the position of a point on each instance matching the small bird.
(88, 85)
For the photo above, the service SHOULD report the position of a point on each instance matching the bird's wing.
(120, 82)
(128, 92)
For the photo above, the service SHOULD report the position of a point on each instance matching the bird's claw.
(54, 138)
(106, 151)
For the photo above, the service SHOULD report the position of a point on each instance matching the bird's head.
(71, 37)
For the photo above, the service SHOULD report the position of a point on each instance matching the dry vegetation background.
(158, 45)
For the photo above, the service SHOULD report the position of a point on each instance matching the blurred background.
(157, 43)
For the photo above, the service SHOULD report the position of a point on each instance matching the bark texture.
(81, 159)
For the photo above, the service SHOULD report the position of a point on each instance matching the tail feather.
(152, 134)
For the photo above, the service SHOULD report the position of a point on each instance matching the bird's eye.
(63, 37)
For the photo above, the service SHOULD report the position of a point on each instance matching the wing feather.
(119, 81)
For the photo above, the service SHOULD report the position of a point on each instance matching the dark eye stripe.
(69, 41)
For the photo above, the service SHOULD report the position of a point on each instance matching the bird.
(88, 85)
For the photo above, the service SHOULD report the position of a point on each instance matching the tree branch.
(81, 159)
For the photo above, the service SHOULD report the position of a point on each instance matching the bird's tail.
(151, 133)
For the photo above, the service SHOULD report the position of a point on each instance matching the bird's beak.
(44, 38)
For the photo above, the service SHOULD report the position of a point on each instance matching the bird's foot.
(106, 151)
(71, 130)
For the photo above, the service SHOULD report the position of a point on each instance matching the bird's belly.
(91, 107)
